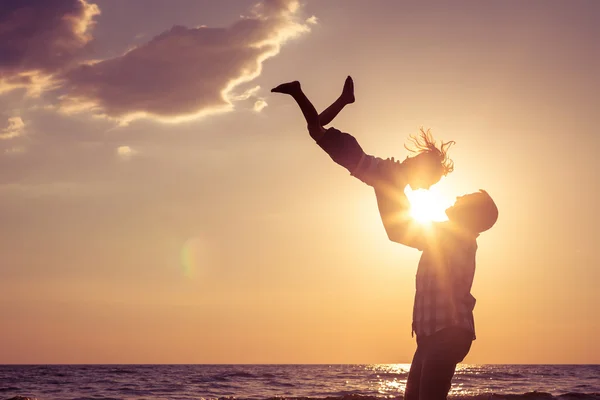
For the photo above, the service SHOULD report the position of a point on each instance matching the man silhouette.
(443, 305)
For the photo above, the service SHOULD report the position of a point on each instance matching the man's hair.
(424, 143)
(486, 210)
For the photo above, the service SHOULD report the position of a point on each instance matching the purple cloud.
(184, 72)
(38, 38)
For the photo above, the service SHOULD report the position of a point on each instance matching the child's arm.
(345, 150)
(387, 177)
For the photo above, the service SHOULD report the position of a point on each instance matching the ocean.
(343, 382)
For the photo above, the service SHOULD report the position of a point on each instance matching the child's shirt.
(344, 149)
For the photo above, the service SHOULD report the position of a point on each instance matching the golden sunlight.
(427, 206)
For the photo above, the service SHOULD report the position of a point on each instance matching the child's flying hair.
(424, 143)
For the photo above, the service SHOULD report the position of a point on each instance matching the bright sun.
(427, 205)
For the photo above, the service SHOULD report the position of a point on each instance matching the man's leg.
(315, 129)
(413, 381)
(347, 97)
(447, 348)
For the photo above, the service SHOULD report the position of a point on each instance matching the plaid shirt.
(443, 284)
(447, 266)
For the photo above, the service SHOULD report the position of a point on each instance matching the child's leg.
(311, 116)
(347, 97)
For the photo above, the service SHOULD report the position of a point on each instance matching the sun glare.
(427, 206)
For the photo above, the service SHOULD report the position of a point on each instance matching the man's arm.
(394, 209)
(388, 179)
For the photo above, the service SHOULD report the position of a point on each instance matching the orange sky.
(233, 238)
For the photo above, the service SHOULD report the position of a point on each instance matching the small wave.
(122, 371)
(382, 375)
(281, 384)
(240, 374)
(99, 398)
(9, 389)
(228, 376)
(22, 398)
(57, 382)
(345, 397)
(495, 375)
(490, 396)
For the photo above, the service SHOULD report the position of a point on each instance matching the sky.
(159, 205)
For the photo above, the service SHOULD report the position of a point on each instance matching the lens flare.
(193, 254)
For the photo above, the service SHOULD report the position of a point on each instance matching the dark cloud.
(41, 37)
(184, 72)
(180, 74)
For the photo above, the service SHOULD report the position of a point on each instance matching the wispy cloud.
(15, 150)
(312, 20)
(15, 127)
(125, 152)
(259, 105)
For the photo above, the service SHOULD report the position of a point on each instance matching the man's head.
(430, 163)
(475, 212)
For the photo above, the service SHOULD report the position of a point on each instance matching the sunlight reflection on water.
(339, 382)
(389, 379)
